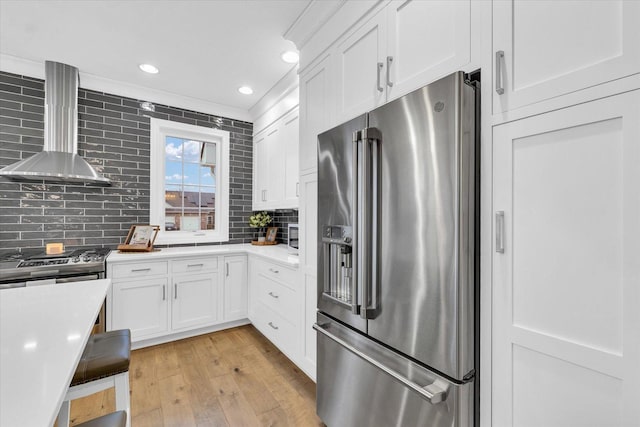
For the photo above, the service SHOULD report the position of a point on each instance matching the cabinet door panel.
(260, 179)
(553, 48)
(427, 40)
(564, 323)
(274, 165)
(291, 137)
(235, 288)
(308, 217)
(316, 105)
(141, 306)
(360, 83)
(194, 301)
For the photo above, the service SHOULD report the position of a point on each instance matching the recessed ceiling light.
(148, 68)
(290, 57)
(245, 90)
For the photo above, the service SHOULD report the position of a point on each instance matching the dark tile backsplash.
(114, 137)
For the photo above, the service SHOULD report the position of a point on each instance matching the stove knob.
(75, 259)
(86, 258)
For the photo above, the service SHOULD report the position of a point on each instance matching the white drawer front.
(282, 274)
(277, 297)
(195, 265)
(139, 269)
(282, 333)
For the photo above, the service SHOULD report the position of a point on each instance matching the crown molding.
(25, 67)
(281, 90)
(313, 17)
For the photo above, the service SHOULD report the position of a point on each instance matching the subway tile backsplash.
(114, 137)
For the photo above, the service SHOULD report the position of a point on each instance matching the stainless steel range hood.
(59, 161)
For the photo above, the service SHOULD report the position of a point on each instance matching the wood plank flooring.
(228, 378)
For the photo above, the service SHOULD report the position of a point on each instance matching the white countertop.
(43, 331)
(278, 253)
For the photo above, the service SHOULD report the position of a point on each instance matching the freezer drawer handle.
(435, 392)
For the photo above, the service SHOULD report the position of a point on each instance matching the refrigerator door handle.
(355, 250)
(435, 392)
(368, 218)
(364, 224)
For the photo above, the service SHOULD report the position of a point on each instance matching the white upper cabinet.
(316, 107)
(260, 176)
(275, 161)
(360, 66)
(544, 49)
(290, 137)
(275, 164)
(426, 40)
(405, 46)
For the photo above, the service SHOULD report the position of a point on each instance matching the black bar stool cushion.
(105, 354)
(114, 419)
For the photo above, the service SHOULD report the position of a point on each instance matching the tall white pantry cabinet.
(565, 329)
(560, 179)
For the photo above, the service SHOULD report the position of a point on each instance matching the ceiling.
(204, 49)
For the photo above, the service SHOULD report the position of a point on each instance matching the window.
(189, 183)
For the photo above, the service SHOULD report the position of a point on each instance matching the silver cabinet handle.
(164, 292)
(389, 61)
(135, 270)
(499, 60)
(500, 232)
(297, 189)
(272, 295)
(227, 267)
(273, 326)
(274, 271)
(194, 265)
(380, 88)
(435, 392)
(175, 291)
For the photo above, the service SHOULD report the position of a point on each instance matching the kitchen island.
(43, 331)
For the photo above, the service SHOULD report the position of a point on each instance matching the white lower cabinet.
(177, 297)
(160, 298)
(275, 307)
(142, 306)
(194, 302)
(235, 287)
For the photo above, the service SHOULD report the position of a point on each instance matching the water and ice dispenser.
(339, 284)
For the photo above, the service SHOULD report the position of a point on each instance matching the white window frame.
(160, 129)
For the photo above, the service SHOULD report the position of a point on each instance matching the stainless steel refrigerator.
(397, 244)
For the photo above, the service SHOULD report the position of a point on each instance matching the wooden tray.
(256, 243)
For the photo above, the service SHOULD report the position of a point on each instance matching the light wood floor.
(229, 378)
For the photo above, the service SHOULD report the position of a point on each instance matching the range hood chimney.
(58, 161)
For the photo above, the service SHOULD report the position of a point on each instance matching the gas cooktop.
(35, 264)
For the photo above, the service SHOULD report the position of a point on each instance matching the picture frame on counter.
(271, 234)
(140, 238)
